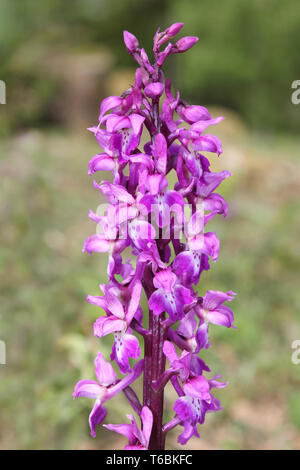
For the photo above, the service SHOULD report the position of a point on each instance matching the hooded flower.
(196, 335)
(170, 296)
(162, 202)
(117, 321)
(165, 254)
(188, 365)
(212, 202)
(192, 408)
(190, 263)
(138, 438)
(212, 309)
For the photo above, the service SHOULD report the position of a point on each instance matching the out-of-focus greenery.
(247, 57)
(59, 58)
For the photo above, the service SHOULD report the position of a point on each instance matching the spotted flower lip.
(160, 195)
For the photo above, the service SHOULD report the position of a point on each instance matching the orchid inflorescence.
(169, 250)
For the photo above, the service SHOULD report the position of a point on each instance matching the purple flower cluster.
(153, 244)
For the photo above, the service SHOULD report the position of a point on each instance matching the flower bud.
(131, 42)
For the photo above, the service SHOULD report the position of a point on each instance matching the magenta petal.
(174, 200)
(184, 264)
(154, 183)
(104, 371)
(97, 300)
(214, 298)
(193, 114)
(97, 415)
(101, 163)
(184, 409)
(124, 429)
(200, 126)
(211, 245)
(131, 41)
(97, 243)
(210, 182)
(136, 292)
(170, 352)
(87, 388)
(202, 336)
(187, 325)
(131, 377)
(174, 29)
(141, 233)
(183, 295)
(160, 153)
(157, 302)
(215, 203)
(108, 104)
(189, 431)
(189, 264)
(197, 387)
(136, 123)
(105, 325)
(143, 160)
(184, 44)
(208, 143)
(165, 279)
(114, 305)
(207, 243)
(154, 90)
(223, 315)
(116, 190)
(147, 420)
(125, 346)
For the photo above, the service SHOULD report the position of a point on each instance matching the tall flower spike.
(148, 218)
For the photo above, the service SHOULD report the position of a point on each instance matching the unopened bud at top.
(131, 42)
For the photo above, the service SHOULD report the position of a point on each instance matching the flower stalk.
(166, 251)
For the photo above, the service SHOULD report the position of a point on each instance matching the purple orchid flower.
(105, 389)
(194, 335)
(188, 365)
(162, 202)
(138, 438)
(117, 321)
(148, 136)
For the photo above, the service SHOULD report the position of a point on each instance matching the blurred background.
(59, 58)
